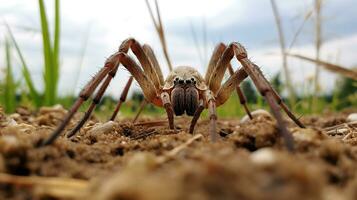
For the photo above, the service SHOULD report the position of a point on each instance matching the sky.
(93, 30)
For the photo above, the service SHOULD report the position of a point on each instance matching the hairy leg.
(221, 60)
(265, 90)
(196, 116)
(217, 53)
(146, 63)
(95, 102)
(227, 88)
(111, 63)
(219, 70)
(122, 98)
(165, 97)
(141, 108)
(83, 96)
(241, 96)
(151, 55)
(211, 103)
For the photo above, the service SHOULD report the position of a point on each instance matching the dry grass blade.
(169, 155)
(160, 31)
(151, 123)
(144, 134)
(299, 30)
(347, 132)
(349, 124)
(329, 66)
(318, 44)
(195, 41)
(51, 186)
(283, 50)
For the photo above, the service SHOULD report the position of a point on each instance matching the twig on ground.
(144, 135)
(151, 123)
(52, 186)
(171, 154)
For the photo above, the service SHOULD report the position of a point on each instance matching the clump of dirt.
(120, 160)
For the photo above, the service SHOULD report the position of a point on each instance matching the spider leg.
(165, 97)
(286, 109)
(196, 115)
(112, 63)
(155, 64)
(289, 141)
(151, 55)
(212, 113)
(122, 98)
(150, 65)
(221, 59)
(241, 96)
(95, 102)
(83, 96)
(145, 61)
(147, 66)
(265, 90)
(141, 108)
(217, 53)
(226, 89)
(217, 74)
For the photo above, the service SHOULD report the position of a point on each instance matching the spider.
(184, 90)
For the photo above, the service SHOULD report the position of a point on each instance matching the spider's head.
(185, 85)
(184, 75)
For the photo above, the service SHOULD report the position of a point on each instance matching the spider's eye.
(176, 80)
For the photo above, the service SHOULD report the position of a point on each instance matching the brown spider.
(184, 90)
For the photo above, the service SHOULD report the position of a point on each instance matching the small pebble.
(103, 128)
(256, 113)
(264, 156)
(352, 117)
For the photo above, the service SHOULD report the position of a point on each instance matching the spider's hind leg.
(265, 90)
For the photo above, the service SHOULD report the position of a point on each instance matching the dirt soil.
(120, 160)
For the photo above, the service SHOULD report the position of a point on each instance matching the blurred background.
(50, 49)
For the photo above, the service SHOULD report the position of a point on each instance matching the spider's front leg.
(108, 70)
(86, 92)
(165, 98)
(219, 61)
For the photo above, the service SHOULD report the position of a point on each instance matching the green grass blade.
(10, 86)
(25, 71)
(49, 68)
(56, 45)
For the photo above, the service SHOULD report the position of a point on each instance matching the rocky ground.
(121, 160)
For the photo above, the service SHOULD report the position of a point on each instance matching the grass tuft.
(9, 96)
(25, 70)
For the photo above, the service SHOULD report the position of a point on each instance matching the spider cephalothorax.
(185, 86)
(184, 90)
